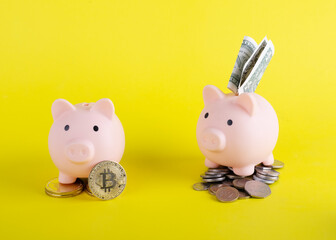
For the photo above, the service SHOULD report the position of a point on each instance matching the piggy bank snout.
(213, 139)
(80, 151)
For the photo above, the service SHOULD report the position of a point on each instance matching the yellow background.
(152, 59)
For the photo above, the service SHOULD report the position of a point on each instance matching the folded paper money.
(251, 63)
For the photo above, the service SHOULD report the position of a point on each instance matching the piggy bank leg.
(210, 164)
(66, 179)
(244, 171)
(269, 161)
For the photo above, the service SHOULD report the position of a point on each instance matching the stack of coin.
(54, 188)
(265, 174)
(228, 187)
(106, 181)
(215, 174)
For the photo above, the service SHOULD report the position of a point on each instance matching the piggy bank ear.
(105, 107)
(247, 102)
(61, 106)
(212, 93)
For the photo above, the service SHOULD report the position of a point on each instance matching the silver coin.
(215, 173)
(211, 192)
(232, 176)
(240, 182)
(243, 194)
(262, 180)
(278, 164)
(227, 182)
(212, 176)
(213, 179)
(269, 172)
(220, 167)
(214, 187)
(201, 186)
(257, 189)
(218, 170)
(266, 177)
(227, 194)
(262, 167)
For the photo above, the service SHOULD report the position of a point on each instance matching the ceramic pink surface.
(83, 135)
(236, 131)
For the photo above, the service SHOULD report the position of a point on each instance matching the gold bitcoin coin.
(107, 180)
(54, 188)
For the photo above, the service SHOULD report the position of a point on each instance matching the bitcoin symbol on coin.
(108, 180)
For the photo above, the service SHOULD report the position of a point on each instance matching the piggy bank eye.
(229, 122)
(95, 128)
(206, 115)
(66, 128)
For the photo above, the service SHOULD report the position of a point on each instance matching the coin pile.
(228, 187)
(54, 188)
(106, 181)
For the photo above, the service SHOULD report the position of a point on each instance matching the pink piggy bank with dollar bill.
(83, 135)
(236, 131)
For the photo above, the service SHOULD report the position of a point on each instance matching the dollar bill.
(251, 62)
(247, 48)
(252, 80)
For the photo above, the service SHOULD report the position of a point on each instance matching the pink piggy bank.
(83, 135)
(236, 131)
